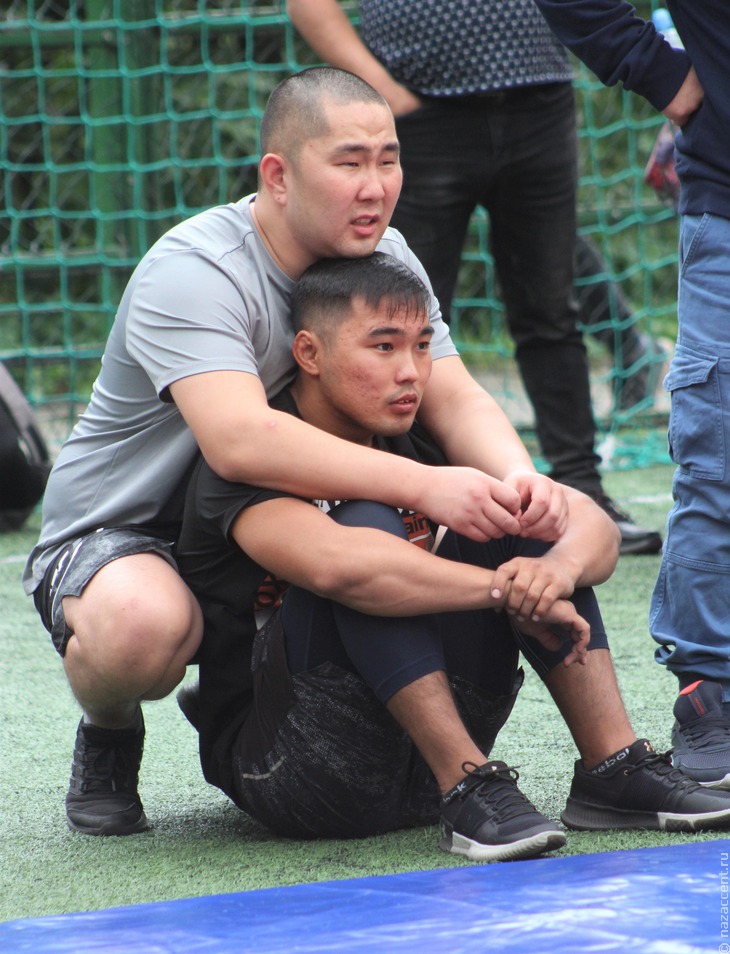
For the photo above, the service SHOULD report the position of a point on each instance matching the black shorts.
(321, 757)
(75, 565)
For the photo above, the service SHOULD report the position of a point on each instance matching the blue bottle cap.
(662, 20)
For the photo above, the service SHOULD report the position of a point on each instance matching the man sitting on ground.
(373, 693)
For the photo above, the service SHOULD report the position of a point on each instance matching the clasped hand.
(482, 508)
(535, 591)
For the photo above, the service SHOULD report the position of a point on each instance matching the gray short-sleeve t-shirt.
(206, 297)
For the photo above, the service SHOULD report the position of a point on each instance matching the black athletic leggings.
(390, 652)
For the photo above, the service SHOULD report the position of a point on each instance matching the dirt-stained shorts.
(75, 565)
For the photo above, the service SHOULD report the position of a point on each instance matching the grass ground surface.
(201, 844)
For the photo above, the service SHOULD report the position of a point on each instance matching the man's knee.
(369, 513)
(135, 616)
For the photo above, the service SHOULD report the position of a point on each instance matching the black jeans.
(515, 155)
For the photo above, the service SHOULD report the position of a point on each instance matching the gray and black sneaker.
(639, 788)
(701, 735)
(102, 796)
(487, 818)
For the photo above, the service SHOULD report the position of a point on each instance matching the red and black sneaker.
(701, 735)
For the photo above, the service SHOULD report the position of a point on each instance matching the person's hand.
(471, 503)
(687, 101)
(528, 587)
(544, 507)
(563, 614)
(401, 100)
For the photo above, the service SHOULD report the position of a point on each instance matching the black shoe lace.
(707, 731)
(106, 766)
(497, 784)
(661, 764)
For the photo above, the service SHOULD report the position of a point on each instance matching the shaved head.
(295, 112)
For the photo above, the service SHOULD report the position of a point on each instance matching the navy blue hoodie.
(619, 46)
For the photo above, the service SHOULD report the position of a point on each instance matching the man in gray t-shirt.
(201, 338)
(215, 266)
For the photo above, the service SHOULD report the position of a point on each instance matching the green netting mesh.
(120, 117)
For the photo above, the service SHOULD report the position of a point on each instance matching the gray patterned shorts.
(77, 562)
(333, 762)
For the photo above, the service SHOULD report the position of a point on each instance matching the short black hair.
(295, 112)
(323, 295)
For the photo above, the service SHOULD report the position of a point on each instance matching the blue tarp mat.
(670, 900)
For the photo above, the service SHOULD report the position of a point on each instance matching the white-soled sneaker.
(487, 818)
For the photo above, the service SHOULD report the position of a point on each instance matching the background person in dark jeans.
(483, 98)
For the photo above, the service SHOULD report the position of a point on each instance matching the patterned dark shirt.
(461, 47)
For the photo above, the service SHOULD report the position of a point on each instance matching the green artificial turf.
(200, 844)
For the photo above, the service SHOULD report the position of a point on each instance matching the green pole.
(143, 96)
(108, 152)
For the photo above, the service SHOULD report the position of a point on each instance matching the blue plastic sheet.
(671, 900)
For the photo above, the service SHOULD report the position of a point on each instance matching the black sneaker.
(634, 540)
(701, 735)
(487, 818)
(639, 788)
(102, 797)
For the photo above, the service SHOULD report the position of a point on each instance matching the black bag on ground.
(24, 460)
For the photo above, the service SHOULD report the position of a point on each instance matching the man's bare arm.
(377, 573)
(244, 440)
(585, 555)
(327, 29)
(473, 431)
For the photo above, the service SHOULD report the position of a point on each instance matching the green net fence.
(118, 118)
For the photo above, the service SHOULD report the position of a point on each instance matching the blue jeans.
(690, 609)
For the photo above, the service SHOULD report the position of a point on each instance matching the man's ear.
(306, 350)
(272, 169)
